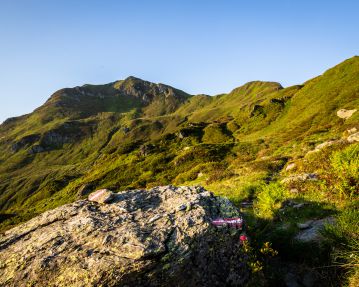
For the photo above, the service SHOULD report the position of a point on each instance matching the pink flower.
(243, 238)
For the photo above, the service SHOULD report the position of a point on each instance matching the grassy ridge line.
(241, 129)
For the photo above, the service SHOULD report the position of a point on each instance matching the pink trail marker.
(235, 222)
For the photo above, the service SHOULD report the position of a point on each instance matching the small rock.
(300, 177)
(345, 114)
(313, 233)
(353, 138)
(290, 166)
(294, 190)
(325, 144)
(352, 131)
(101, 196)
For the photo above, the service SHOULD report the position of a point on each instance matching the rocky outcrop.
(311, 230)
(25, 142)
(159, 237)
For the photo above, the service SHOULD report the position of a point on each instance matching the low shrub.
(345, 167)
(269, 199)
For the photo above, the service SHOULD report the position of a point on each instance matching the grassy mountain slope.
(84, 130)
(135, 134)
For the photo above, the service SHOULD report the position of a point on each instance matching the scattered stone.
(352, 131)
(101, 196)
(313, 234)
(290, 166)
(300, 177)
(345, 114)
(90, 244)
(294, 190)
(353, 138)
(325, 144)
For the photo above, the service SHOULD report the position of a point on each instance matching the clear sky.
(200, 46)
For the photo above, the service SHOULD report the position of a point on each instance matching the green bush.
(269, 199)
(216, 133)
(345, 166)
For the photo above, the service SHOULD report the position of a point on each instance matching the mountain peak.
(133, 78)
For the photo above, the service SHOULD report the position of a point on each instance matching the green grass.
(344, 238)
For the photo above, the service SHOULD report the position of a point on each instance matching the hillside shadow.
(297, 260)
(6, 216)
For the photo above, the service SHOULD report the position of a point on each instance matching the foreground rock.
(159, 237)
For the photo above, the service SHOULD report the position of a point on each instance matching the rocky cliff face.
(158, 237)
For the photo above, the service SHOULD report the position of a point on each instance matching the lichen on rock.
(140, 238)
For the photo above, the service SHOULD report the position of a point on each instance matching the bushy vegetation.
(345, 165)
(269, 199)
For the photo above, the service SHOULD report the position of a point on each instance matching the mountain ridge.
(93, 133)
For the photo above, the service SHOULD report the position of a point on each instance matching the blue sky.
(200, 46)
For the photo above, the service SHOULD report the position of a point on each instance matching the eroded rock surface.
(158, 237)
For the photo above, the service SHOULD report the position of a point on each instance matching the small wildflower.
(243, 238)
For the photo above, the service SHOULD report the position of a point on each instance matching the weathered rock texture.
(159, 237)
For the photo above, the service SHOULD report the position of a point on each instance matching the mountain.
(288, 158)
(134, 134)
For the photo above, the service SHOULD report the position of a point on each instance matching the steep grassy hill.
(136, 134)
